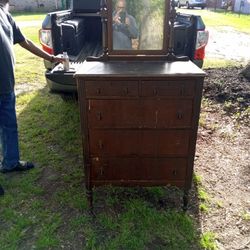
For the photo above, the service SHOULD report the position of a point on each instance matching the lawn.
(221, 18)
(46, 208)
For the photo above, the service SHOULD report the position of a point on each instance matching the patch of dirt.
(228, 87)
(222, 159)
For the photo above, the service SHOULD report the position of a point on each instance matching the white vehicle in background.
(192, 3)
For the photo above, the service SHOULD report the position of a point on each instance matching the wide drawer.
(138, 169)
(139, 142)
(167, 88)
(111, 88)
(140, 113)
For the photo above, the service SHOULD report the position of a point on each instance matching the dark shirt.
(122, 34)
(10, 34)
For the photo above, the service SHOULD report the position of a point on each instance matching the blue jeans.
(8, 131)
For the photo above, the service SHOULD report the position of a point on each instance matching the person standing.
(10, 34)
(124, 27)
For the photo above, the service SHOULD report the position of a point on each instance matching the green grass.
(221, 18)
(245, 215)
(208, 241)
(28, 16)
(219, 63)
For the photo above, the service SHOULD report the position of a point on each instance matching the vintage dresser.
(139, 122)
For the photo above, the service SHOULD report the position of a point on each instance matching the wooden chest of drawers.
(139, 122)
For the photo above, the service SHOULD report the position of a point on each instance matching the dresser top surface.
(139, 69)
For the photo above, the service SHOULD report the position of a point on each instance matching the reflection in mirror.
(138, 24)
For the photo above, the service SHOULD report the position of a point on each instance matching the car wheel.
(202, 8)
(188, 6)
(69, 97)
(178, 4)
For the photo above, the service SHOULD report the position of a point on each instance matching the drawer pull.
(179, 115)
(155, 91)
(126, 91)
(105, 165)
(101, 171)
(182, 91)
(98, 91)
(175, 172)
(99, 115)
(101, 146)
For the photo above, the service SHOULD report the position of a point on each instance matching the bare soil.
(222, 158)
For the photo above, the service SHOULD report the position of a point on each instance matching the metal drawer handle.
(182, 91)
(105, 165)
(175, 172)
(101, 146)
(101, 171)
(179, 115)
(99, 115)
(155, 91)
(126, 91)
(98, 91)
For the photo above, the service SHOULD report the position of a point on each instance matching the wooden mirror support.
(171, 57)
(104, 19)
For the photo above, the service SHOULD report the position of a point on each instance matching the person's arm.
(30, 46)
(132, 27)
(19, 38)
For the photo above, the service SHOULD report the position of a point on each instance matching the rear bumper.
(60, 81)
(56, 87)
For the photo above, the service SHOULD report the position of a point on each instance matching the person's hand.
(59, 58)
(117, 19)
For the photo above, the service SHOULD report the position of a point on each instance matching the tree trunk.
(246, 71)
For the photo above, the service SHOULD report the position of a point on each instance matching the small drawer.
(111, 88)
(167, 88)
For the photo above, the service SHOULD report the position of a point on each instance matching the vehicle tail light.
(45, 37)
(201, 42)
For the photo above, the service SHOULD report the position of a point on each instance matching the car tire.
(202, 8)
(188, 6)
(178, 5)
(69, 97)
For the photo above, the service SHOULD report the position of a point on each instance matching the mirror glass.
(138, 24)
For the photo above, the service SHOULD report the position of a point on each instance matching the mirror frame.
(166, 34)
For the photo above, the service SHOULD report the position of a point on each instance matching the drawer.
(167, 88)
(166, 113)
(140, 113)
(141, 169)
(113, 114)
(111, 88)
(121, 143)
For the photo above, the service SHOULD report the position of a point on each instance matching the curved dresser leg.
(185, 200)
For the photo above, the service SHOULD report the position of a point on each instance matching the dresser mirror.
(138, 27)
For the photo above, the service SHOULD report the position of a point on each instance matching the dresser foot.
(185, 201)
(90, 200)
